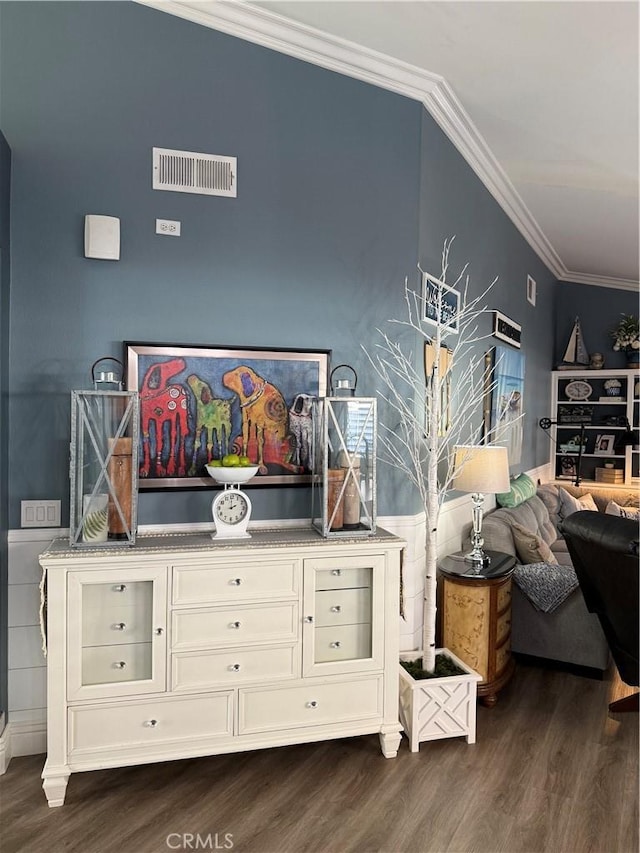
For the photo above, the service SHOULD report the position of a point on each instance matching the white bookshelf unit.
(602, 419)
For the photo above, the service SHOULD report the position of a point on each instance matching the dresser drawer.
(115, 625)
(152, 722)
(203, 584)
(234, 625)
(343, 578)
(343, 606)
(99, 597)
(264, 709)
(342, 642)
(107, 664)
(200, 670)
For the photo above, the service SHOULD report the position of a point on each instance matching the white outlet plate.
(40, 513)
(168, 227)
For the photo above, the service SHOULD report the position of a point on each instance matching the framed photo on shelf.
(441, 304)
(199, 403)
(604, 445)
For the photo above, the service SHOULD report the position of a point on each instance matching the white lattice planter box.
(435, 708)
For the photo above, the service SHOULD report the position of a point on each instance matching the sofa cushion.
(570, 504)
(530, 547)
(561, 552)
(521, 489)
(622, 512)
(532, 515)
(549, 494)
(603, 494)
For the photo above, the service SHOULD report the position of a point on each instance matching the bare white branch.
(417, 436)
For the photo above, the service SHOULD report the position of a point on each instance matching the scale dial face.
(231, 507)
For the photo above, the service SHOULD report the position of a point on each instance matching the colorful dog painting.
(265, 419)
(199, 403)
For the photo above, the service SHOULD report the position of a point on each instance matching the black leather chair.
(604, 552)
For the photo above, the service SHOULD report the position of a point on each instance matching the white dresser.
(181, 646)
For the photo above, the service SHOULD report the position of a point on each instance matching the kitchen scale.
(231, 508)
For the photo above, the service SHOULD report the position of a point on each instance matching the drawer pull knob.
(236, 581)
(308, 618)
(235, 667)
(335, 645)
(151, 724)
(312, 704)
(159, 632)
(234, 625)
(336, 609)
(119, 626)
(119, 664)
(336, 572)
(120, 587)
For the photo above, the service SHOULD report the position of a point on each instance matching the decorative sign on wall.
(441, 304)
(506, 329)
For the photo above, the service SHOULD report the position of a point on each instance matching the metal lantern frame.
(100, 420)
(345, 430)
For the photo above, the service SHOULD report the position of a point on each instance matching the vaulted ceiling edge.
(300, 41)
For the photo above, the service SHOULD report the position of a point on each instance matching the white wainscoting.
(25, 732)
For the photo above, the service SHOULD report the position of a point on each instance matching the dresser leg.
(489, 700)
(55, 789)
(390, 743)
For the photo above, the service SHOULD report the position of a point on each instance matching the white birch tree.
(418, 437)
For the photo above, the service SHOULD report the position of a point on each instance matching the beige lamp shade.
(482, 469)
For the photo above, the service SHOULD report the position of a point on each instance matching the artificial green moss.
(444, 666)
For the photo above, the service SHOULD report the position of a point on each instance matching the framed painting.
(199, 403)
(441, 304)
(504, 411)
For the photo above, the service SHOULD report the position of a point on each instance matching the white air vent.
(187, 172)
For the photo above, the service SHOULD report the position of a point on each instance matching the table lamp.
(480, 470)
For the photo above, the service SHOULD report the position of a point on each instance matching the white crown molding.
(600, 280)
(345, 57)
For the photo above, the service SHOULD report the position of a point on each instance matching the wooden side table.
(475, 610)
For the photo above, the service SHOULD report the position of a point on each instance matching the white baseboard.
(22, 739)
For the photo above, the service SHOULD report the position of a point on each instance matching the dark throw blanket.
(546, 585)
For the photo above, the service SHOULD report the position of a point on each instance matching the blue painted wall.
(309, 254)
(599, 309)
(343, 189)
(454, 202)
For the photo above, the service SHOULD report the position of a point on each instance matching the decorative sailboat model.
(576, 354)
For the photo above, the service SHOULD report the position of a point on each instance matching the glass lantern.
(343, 492)
(105, 428)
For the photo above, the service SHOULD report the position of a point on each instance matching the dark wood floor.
(552, 770)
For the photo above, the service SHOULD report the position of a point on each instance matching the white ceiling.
(541, 97)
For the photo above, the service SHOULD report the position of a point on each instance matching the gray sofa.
(569, 634)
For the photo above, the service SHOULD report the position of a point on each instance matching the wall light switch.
(40, 513)
(102, 237)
